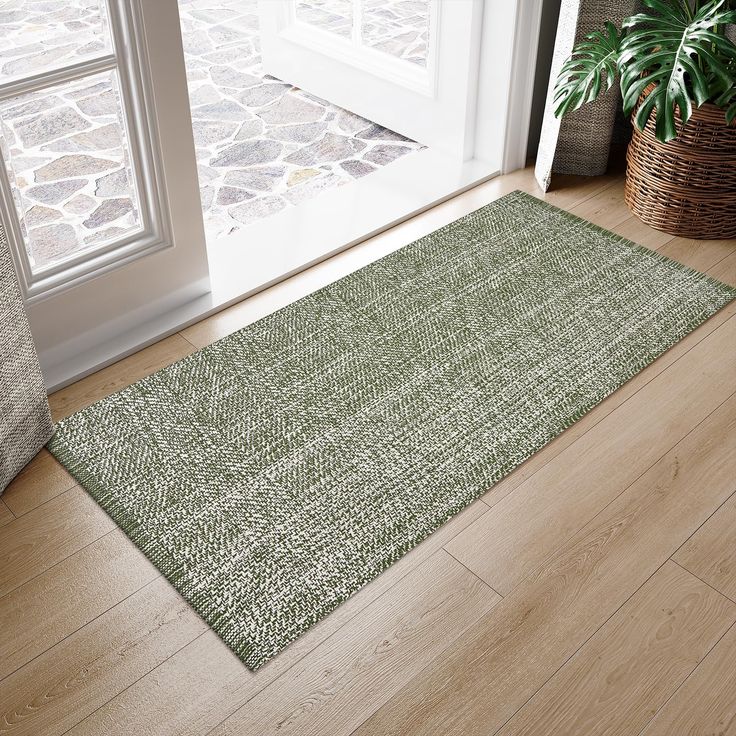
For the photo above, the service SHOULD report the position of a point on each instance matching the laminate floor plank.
(352, 673)
(482, 679)
(41, 480)
(40, 613)
(66, 683)
(118, 375)
(617, 681)
(511, 540)
(702, 255)
(38, 540)
(204, 682)
(706, 704)
(711, 552)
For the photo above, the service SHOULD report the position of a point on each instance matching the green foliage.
(677, 46)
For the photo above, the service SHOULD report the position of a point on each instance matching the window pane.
(397, 27)
(41, 35)
(69, 167)
(335, 16)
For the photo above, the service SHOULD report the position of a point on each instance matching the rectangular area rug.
(272, 474)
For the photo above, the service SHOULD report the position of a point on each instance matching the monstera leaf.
(582, 76)
(676, 47)
(677, 50)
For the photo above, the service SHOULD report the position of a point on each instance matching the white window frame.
(129, 58)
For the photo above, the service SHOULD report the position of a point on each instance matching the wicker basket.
(686, 187)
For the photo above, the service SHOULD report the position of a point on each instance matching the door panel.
(409, 65)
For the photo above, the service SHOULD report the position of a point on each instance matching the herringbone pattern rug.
(272, 474)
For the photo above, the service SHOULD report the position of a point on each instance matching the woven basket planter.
(686, 187)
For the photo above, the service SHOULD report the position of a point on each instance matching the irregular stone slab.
(197, 42)
(257, 208)
(206, 174)
(40, 215)
(56, 192)
(249, 129)
(110, 233)
(21, 163)
(207, 132)
(80, 205)
(356, 169)
(291, 109)
(68, 167)
(32, 106)
(204, 94)
(206, 195)
(108, 211)
(224, 110)
(226, 76)
(114, 184)
(301, 133)
(35, 62)
(51, 242)
(351, 123)
(93, 89)
(383, 155)
(248, 153)
(300, 176)
(222, 35)
(331, 147)
(262, 178)
(104, 104)
(99, 139)
(262, 94)
(232, 195)
(51, 125)
(378, 132)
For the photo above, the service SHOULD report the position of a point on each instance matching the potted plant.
(677, 71)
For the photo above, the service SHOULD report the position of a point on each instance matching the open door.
(409, 65)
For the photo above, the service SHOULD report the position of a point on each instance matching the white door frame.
(85, 307)
(512, 25)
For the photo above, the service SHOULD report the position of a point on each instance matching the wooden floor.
(592, 591)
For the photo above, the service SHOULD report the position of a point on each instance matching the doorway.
(263, 145)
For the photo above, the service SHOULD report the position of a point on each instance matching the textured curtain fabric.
(580, 143)
(25, 419)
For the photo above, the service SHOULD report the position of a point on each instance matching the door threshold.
(274, 249)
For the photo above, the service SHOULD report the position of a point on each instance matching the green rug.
(272, 474)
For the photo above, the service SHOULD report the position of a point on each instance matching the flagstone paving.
(261, 144)
(264, 145)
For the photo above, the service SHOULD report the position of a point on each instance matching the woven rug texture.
(272, 474)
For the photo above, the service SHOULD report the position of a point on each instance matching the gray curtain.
(25, 419)
(581, 142)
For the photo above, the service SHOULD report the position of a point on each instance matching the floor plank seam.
(703, 524)
(127, 687)
(474, 574)
(622, 491)
(72, 633)
(48, 500)
(683, 683)
(690, 572)
(58, 562)
(605, 416)
(10, 511)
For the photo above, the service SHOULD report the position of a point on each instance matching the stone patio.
(261, 145)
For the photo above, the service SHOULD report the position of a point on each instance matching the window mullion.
(50, 79)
